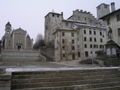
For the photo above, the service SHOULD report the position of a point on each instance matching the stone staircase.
(5, 80)
(88, 79)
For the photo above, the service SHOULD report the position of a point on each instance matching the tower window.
(118, 17)
(53, 15)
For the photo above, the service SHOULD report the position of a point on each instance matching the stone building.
(112, 19)
(16, 39)
(18, 46)
(77, 37)
(52, 21)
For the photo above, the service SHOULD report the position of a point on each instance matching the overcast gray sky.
(29, 14)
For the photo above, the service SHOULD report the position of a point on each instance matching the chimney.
(112, 6)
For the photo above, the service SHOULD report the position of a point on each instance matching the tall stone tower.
(102, 10)
(8, 28)
(52, 21)
(7, 39)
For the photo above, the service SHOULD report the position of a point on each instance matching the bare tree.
(39, 42)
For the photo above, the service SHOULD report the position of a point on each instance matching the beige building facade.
(79, 37)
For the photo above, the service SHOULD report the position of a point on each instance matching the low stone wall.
(22, 55)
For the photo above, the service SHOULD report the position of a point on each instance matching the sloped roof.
(111, 42)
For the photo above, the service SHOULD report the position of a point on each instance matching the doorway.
(19, 47)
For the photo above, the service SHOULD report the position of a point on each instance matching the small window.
(100, 33)
(73, 41)
(95, 40)
(78, 54)
(63, 33)
(73, 48)
(72, 34)
(63, 55)
(90, 32)
(73, 56)
(63, 47)
(63, 41)
(90, 39)
(86, 53)
(94, 32)
(84, 31)
(85, 39)
(101, 40)
(101, 46)
(105, 6)
(90, 45)
(85, 45)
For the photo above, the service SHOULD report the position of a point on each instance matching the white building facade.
(113, 20)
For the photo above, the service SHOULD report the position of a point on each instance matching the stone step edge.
(61, 77)
(83, 85)
(68, 81)
(73, 86)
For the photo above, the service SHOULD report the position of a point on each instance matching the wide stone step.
(106, 88)
(74, 87)
(57, 74)
(65, 83)
(66, 80)
(58, 79)
(67, 71)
